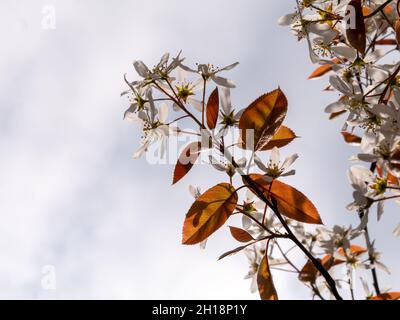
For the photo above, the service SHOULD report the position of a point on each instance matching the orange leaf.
(387, 296)
(282, 137)
(241, 235)
(322, 70)
(390, 177)
(355, 31)
(208, 213)
(266, 286)
(351, 138)
(291, 202)
(186, 161)
(354, 250)
(213, 109)
(264, 116)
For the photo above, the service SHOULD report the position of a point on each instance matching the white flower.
(185, 90)
(339, 237)
(209, 72)
(141, 99)
(160, 71)
(228, 116)
(153, 131)
(274, 168)
(226, 167)
(254, 259)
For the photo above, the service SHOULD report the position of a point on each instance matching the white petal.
(163, 113)
(223, 82)
(289, 173)
(374, 55)
(274, 156)
(141, 68)
(130, 113)
(142, 149)
(230, 67)
(286, 20)
(289, 161)
(216, 164)
(335, 107)
(340, 85)
(259, 163)
(203, 244)
(241, 162)
(195, 104)
(345, 52)
(226, 100)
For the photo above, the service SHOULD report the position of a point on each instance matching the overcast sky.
(72, 197)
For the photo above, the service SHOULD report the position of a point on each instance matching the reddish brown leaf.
(264, 117)
(322, 70)
(387, 296)
(186, 161)
(355, 31)
(291, 202)
(282, 137)
(351, 138)
(309, 272)
(241, 235)
(334, 115)
(386, 42)
(265, 283)
(213, 109)
(208, 213)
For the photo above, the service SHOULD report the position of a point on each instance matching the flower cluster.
(356, 43)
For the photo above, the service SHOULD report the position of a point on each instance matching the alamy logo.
(350, 18)
(49, 278)
(49, 18)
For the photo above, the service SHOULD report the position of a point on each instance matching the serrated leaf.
(291, 202)
(212, 109)
(264, 117)
(265, 283)
(208, 213)
(240, 235)
(282, 137)
(355, 31)
(186, 160)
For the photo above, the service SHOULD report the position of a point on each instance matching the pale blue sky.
(71, 195)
